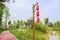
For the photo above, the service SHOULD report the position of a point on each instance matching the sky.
(22, 9)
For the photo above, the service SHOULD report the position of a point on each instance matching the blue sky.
(22, 9)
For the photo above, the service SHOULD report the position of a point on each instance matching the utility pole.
(33, 27)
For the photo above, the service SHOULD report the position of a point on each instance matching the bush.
(17, 34)
(1, 30)
(26, 34)
(41, 27)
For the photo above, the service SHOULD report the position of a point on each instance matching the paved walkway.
(6, 35)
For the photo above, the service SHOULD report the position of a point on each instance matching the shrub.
(41, 27)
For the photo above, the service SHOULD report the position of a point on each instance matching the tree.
(41, 27)
(10, 25)
(2, 6)
(6, 13)
(50, 24)
(26, 24)
(57, 24)
(14, 24)
(18, 24)
(46, 20)
(29, 22)
(9, 22)
(22, 24)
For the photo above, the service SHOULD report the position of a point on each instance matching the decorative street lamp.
(37, 7)
(38, 20)
(37, 14)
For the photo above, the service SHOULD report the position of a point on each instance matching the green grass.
(26, 34)
(21, 34)
(1, 30)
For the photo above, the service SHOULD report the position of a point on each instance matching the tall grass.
(26, 34)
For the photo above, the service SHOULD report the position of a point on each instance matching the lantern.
(37, 13)
(38, 19)
(37, 7)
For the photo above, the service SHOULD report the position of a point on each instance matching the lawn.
(26, 34)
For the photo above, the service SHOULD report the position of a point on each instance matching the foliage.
(6, 15)
(26, 34)
(21, 24)
(46, 20)
(9, 22)
(10, 25)
(57, 24)
(2, 6)
(50, 24)
(26, 24)
(41, 27)
(18, 34)
(4, 11)
(18, 24)
(1, 30)
(14, 24)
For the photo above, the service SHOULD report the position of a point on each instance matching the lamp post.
(33, 27)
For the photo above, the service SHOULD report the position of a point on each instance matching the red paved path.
(6, 35)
